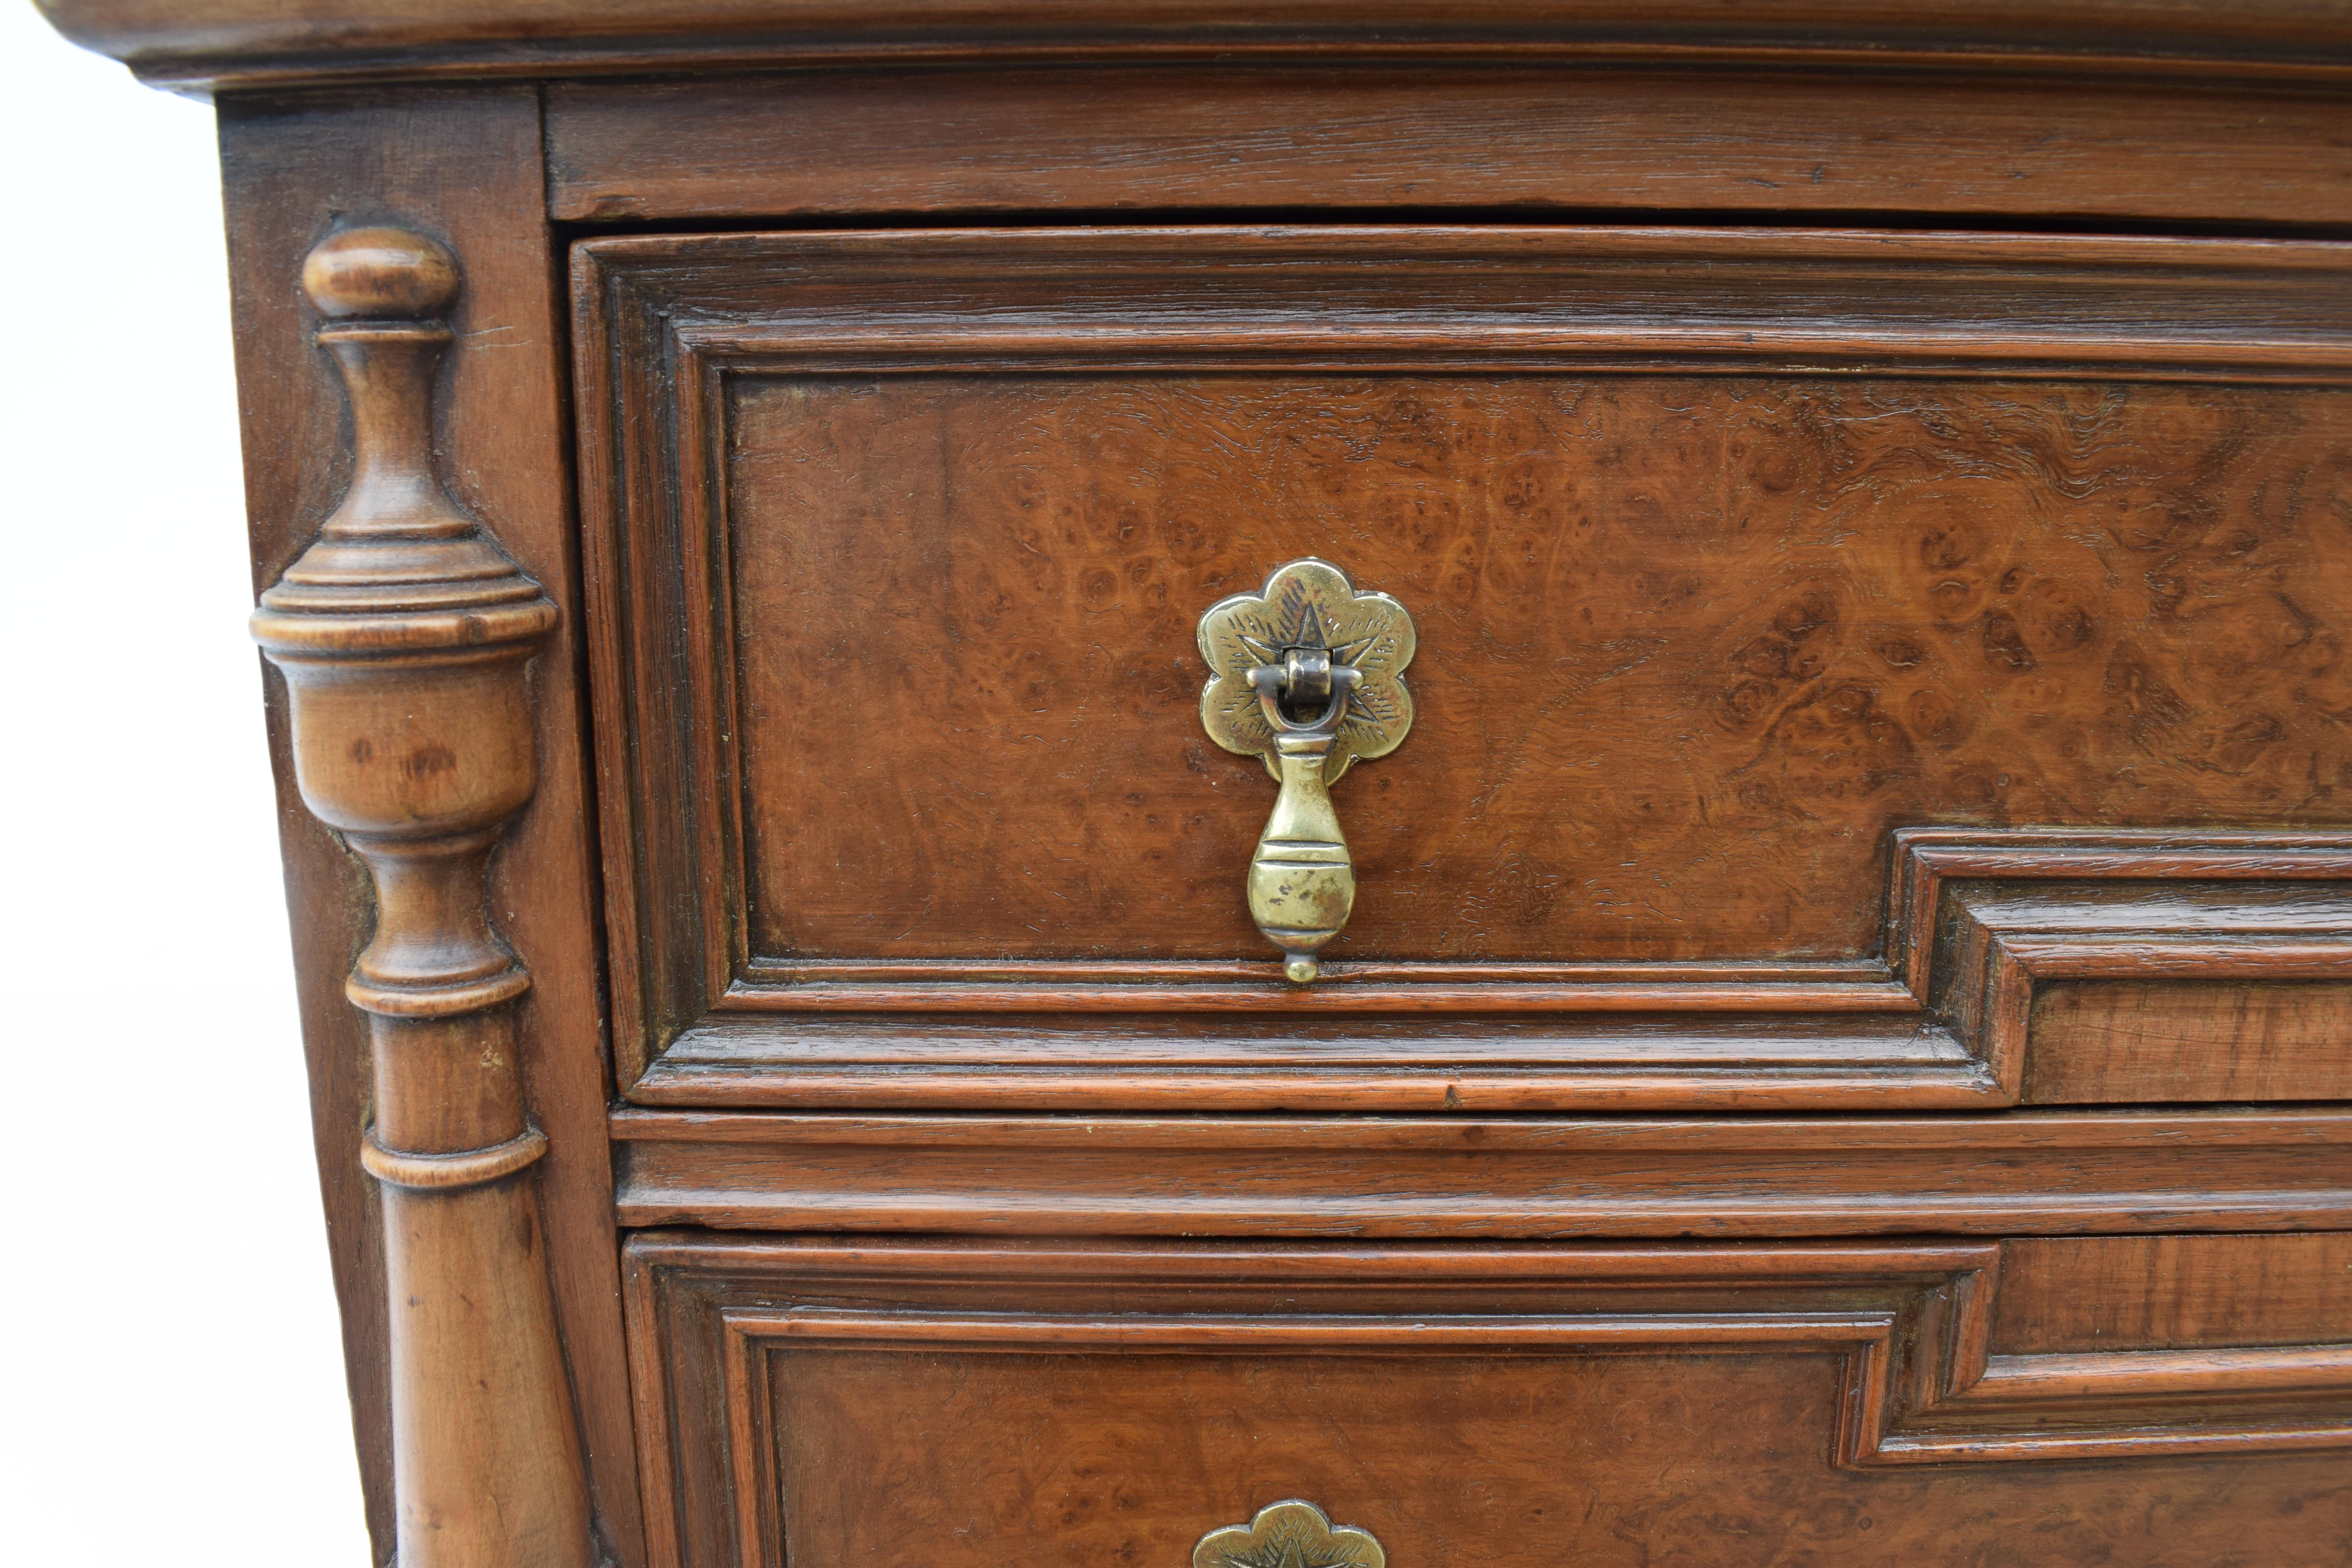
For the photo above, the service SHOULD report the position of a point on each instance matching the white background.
(171, 1391)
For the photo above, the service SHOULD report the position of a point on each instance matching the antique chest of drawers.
(1288, 786)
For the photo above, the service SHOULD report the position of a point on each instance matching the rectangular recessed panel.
(2060, 1294)
(1689, 648)
(961, 1402)
(1514, 1461)
(2098, 1041)
(1734, 555)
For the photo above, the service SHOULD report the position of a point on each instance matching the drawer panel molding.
(1979, 923)
(1982, 923)
(950, 420)
(1892, 1346)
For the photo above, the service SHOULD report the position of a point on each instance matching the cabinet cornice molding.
(252, 42)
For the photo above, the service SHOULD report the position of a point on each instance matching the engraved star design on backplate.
(1308, 604)
(1292, 1534)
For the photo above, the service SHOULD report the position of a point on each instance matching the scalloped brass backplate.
(1292, 1534)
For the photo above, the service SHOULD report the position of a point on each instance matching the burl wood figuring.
(405, 636)
(1826, 1046)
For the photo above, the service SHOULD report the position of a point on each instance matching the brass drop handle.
(1302, 884)
(1308, 674)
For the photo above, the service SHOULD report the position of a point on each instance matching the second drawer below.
(2110, 1400)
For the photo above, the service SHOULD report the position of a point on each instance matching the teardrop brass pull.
(1308, 674)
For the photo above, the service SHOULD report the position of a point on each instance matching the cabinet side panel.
(463, 165)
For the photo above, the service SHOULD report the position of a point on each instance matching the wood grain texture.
(1485, 135)
(1879, 606)
(2171, 1292)
(1767, 544)
(231, 41)
(982, 483)
(2118, 940)
(2119, 1043)
(405, 636)
(2134, 947)
(1693, 1060)
(2039, 1172)
(462, 162)
(1615, 1404)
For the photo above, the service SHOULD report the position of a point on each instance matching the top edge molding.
(198, 45)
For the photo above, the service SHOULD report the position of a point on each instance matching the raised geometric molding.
(2125, 1403)
(1928, 859)
(1905, 1327)
(754, 965)
(1962, 1406)
(1977, 920)
(1888, 1058)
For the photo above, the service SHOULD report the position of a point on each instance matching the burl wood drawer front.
(1739, 561)
(2090, 1401)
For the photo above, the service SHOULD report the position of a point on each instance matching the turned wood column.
(405, 636)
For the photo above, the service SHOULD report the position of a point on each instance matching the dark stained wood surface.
(1807, 615)
(1661, 1059)
(2049, 967)
(2171, 1292)
(1508, 1460)
(950, 503)
(405, 636)
(1529, 1405)
(263, 41)
(462, 164)
(2114, 953)
(1488, 134)
(2035, 1173)
(2172, 1041)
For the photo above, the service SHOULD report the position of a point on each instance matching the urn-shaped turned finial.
(403, 632)
(400, 566)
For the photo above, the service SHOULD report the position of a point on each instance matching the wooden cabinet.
(1837, 1051)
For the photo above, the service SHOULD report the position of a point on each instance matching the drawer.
(2059, 1402)
(1851, 671)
